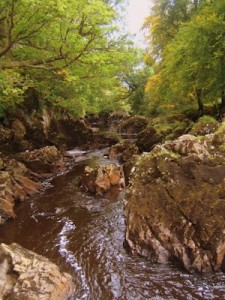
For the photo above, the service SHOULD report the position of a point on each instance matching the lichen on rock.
(175, 204)
(26, 275)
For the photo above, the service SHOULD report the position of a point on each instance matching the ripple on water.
(63, 245)
(89, 245)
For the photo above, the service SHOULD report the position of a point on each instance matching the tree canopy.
(69, 50)
(187, 41)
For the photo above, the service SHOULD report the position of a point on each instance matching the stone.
(103, 139)
(14, 185)
(133, 125)
(148, 138)
(175, 204)
(19, 129)
(44, 160)
(204, 125)
(123, 151)
(26, 275)
(101, 178)
(69, 131)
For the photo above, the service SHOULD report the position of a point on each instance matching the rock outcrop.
(148, 138)
(15, 184)
(133, 125)
(46, 161)
(101, 178)
(69, 132)
(25, 275)
(175, 205)
(21, 178)
(123, 151)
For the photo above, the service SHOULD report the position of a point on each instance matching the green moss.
(219, 136)
(144, 158)
(204, 125)
(166, 153)
(171, 128)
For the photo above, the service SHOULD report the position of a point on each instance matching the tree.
(193, 60)
(165, 21)
(63, 44)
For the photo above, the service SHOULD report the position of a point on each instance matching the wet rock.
(148, 138)
(44, 160)
(100, 179)
(70, 132)
(103, 139)
(26, 275)
(133, 125)
(106, 120)
(123, 151)
(175, 205)
(14, 185)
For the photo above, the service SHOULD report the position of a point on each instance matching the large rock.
(133, 125)
(175, 205)
(25, 275)
(204, 125)
(101, 178)
(44, 160)
(15, 184)
(69, 131)
(123, 151)
(148, 138)
(103, 139)
(20, 180)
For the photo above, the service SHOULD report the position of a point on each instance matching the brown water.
(89, 245)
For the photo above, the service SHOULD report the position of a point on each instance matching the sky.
(136, 13)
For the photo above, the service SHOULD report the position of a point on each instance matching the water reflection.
(89, 245)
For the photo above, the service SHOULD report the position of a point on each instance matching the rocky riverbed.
(174, 199)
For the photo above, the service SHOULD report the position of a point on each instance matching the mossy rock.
(204, 125)
(148, 138)
(165, 219)
(219, 135)
(133, 125)
(172, 127)
(104, 139)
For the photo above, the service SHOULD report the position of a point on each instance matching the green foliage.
(190, 65)
(12, 88)
(68, 50)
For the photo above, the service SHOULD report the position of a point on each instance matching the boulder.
(204, 125)
(123, 151)
(148, 138)
(103, 139)
(133, 125)
(69, 131)
(26, 275)
(15, 184)
(101, 178)
(175, 204)
(44, 160)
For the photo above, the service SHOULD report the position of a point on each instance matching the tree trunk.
(199, 100)
(222, 98)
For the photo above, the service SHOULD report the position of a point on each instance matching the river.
(88, 244)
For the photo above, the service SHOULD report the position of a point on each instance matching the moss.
(205, 125)
(221, 148)
(167, 153)
(145, 158)
(219, 136)
(172, 128)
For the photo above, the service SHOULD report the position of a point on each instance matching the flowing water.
(88, 244)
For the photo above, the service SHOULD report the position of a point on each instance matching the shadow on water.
(88, 243)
